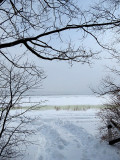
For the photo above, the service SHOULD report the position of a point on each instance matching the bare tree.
(110, 87)
(38, 25)
(14, 83)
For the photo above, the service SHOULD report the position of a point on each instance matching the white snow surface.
(63, 100)
(68, 135)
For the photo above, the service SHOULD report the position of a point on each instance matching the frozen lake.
(62, 100)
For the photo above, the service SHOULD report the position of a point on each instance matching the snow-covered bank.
(63, 100)
(68, 135)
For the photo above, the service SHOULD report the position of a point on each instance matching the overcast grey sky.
(64, 79)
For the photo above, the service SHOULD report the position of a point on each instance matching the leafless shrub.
(111, 88)
(14, 83)
(107, 114)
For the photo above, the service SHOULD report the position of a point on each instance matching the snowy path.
(69, 135)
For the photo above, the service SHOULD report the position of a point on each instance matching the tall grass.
(67, 107)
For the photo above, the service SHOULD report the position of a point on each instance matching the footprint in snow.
(41, 158)
(58, 156)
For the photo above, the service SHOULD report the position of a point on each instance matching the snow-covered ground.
(62, 100)
(68, 135)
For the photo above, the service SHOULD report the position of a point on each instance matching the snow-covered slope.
(68, 135)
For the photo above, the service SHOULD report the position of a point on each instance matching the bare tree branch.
(14, 83)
